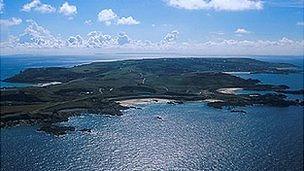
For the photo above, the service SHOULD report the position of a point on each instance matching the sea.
(191, 136)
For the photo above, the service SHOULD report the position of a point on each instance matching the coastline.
(229, 90)
(90, 88)
(142, 101)
(47, 84)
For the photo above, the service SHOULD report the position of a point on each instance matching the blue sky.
(204, 27)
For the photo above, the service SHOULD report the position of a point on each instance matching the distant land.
(99, 87)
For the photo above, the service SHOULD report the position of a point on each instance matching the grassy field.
(96, 86)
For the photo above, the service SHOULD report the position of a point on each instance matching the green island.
(99, 87)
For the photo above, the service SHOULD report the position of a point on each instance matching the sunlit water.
(191, 136)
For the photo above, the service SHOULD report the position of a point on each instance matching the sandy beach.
(212, 100)
(133, 102)
(229, 90)
(48, 84)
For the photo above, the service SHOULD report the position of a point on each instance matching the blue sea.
(191, 136)
(11, 65)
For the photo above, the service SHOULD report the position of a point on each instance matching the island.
(101, 87)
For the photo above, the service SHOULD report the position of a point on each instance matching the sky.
(203, 27)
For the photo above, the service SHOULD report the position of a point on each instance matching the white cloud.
(36, 36)
(241, 31)
(28, 7)
(68, 10)
(76, 41)
(127, 21)
(123, 39)
(10, 22)
(106, 16)
(282, 46)
(88, 22)
(96, 39)
(236, 5)
(45, 8)
(1, 6)
(226, 5)
(188, 4)
(171, 37)
(300, 23)
(36, 5)
(37, 39)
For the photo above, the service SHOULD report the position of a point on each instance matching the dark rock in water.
(133, 107)
(159, 117)
(179, 102)
(175, 102)
(297, 92)
(269, 99)
(85, 130)
(55, 129)
(217, 105)
(238, 111)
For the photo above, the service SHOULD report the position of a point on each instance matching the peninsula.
(99, 87)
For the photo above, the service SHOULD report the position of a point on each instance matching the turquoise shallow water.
(191, 137)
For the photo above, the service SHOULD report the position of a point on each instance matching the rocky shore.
(111, 87)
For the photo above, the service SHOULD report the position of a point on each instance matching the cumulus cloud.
(96, 39)
(10, 22)
(68, 10)
(127, 21)
(36, 5)
(36, 38)
(76, 41)
(283, 46)
(226, 5)
(28, 7)
(107, 16)
(1, 6)
(241, 31)
(123, 39)
(171, 37)
(44, 8)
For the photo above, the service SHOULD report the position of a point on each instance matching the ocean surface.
(191, 136)
(11, 65)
